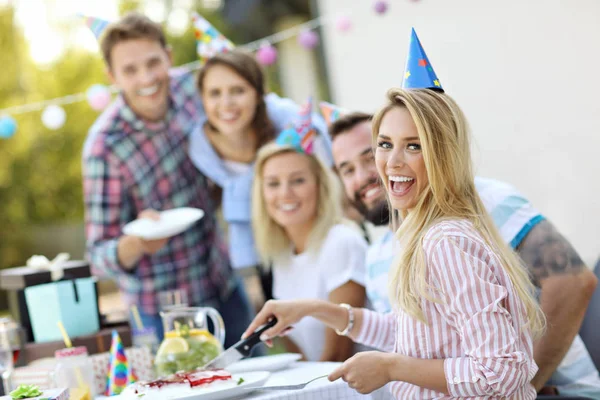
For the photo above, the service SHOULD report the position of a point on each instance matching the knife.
(241, 349)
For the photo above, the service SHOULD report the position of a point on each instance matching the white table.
(321, 389)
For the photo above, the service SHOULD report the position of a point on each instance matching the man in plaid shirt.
(135, 161)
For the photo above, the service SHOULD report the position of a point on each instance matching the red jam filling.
(194, 379)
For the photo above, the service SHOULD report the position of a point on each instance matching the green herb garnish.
(240, 381)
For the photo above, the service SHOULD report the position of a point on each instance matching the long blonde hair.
(450, 194)
(272, 242)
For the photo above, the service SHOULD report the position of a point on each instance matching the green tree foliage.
(128, 5)
(40, 178)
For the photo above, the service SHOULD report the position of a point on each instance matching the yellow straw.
(64, 334)
(136, 317)
(69, 344)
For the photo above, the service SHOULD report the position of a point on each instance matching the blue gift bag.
(73, 302)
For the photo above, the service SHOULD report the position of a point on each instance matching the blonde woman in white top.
(297, 223)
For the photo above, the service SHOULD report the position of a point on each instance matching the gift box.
(40, 376)
(140, 359)
(49, 394)
(74, 303)
(16, 280)
(95, 343)
(22, 277)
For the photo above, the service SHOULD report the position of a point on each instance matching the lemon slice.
(204, 335)
(201, 332)
(195, 332)
(191, 332)
(172, 346)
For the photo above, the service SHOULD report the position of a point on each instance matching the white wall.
(296, 65)
(527, 74)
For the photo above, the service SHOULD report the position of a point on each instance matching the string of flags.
(209, 42)
(418, 74)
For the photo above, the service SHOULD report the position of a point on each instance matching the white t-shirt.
(340, 259)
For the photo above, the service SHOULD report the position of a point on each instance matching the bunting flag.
(330, 112)
(96, 25)
(209, 41)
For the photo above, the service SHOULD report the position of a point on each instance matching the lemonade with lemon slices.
(185, 349)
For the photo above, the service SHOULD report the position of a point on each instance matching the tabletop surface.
(300, 372)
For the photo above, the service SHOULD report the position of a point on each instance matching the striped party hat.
(118, 376)
(96, 25)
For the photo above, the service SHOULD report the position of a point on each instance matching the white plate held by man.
(170, 223)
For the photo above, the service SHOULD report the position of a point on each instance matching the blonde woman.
(296, 215)
(464, 314)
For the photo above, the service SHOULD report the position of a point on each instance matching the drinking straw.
(64, 334)
(69, 344)
(136, 317)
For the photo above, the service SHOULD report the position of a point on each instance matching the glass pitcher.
(188, 344)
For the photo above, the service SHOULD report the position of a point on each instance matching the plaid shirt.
(130, 165)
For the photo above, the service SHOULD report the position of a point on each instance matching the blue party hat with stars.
(419, 73)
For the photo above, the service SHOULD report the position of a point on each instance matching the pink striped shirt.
(476, 329)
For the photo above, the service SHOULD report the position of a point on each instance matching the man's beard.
(379, 214)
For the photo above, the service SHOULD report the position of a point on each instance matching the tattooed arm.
(566, 288)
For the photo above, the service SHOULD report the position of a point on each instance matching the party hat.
(119, 373)
(419, 73)
(302, 134)
(96, 25)
(132, 376)
(209, 41)
(330, 112)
